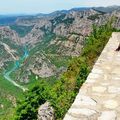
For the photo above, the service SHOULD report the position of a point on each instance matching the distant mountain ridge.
(11, 19)
(107, 9)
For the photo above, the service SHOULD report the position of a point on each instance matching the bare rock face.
(37, 32)
(46, 112)
(61, 29)
(71, 46)
(42, 66)
(6, 32)
(35, 35)
(43, 71)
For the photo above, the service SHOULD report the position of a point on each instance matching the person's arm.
(118, 49)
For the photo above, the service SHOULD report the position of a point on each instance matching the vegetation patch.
(61, 19)
(8, 93)
(94, 17)
(21, 30)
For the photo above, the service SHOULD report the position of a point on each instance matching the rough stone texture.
(45, 112)
(82, 111)
(84, 100)
(108, 115)
(99, 97)
(111, 104)
(99, 89)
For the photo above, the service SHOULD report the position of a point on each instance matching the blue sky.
(47, 6)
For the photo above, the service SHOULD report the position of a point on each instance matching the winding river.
(17, 64)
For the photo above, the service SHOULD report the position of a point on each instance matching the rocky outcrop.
(43, 71)
(7, 33)
(46, 112)
(42, 66)
(38, 31)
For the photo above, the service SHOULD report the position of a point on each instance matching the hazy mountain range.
(11, 18)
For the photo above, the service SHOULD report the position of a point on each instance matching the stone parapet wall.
(99, 97)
